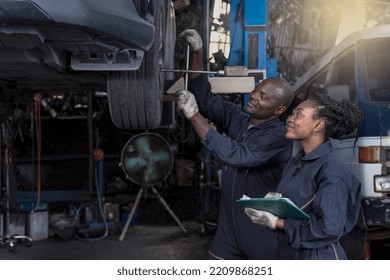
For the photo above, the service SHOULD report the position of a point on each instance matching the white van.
(359, 69)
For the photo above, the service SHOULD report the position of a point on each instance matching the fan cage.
(147, 159)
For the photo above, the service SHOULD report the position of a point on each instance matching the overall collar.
(321, 150)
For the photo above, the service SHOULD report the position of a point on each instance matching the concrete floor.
(142, 242)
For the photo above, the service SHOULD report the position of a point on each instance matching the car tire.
(135, 98)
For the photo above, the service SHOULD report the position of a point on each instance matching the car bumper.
(376, 212)
(119, 21)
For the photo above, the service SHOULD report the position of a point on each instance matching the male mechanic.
(253, 152)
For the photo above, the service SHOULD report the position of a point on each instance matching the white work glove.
(273, 195)
(190, 37)
(186, 103)
(261, 217)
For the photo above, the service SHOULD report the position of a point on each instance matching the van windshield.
(378, 68)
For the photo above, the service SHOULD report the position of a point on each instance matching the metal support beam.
(90, 145)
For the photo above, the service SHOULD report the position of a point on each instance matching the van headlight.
(382, 183)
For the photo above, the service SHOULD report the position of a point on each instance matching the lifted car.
(117, 47)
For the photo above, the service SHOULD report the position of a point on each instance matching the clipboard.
(281, 207)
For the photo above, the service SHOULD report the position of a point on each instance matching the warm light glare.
(353, 18)
(219, 37)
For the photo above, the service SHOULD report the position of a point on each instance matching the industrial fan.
(147, 159)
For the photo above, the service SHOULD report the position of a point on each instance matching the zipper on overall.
(232, 195)
(296, 172)
(335, 251)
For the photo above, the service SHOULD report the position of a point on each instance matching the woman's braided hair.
(341, 118)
